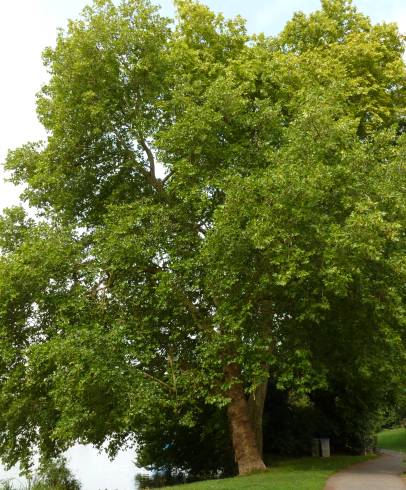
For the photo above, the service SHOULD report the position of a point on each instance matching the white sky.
(27, 26)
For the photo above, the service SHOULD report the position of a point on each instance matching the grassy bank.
(298, 474)
(394, 439)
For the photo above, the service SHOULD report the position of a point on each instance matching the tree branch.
(162, 383)
(150, 156)
(157, 184)
(165, 179)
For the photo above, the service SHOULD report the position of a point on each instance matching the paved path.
(382, 473)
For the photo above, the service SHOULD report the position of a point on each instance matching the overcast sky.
(27, 26)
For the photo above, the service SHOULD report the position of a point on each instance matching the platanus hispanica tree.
(206, 202)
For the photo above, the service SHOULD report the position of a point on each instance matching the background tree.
(209, 206)
(200, 451)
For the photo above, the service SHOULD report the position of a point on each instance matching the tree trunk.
(245, 447)
(256, 403)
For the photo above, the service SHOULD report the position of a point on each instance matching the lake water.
(94, 470)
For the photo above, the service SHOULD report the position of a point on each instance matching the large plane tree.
(208, 205)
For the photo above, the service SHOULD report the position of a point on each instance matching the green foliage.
(56, 475)
(203, 198)
(348, 414)
(203, 450)
(6, 485)
(285, 433)
(51, 475)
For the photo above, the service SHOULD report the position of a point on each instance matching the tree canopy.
(211, 207)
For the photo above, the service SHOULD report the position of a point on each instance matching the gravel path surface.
(383, 473)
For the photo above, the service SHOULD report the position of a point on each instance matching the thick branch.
(156, 380)
(150, 156)
(156, 183)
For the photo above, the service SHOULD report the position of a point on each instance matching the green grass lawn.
(298, 474)
(394, 439)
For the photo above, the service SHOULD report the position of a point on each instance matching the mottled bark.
(245, 447)
(256, 403)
